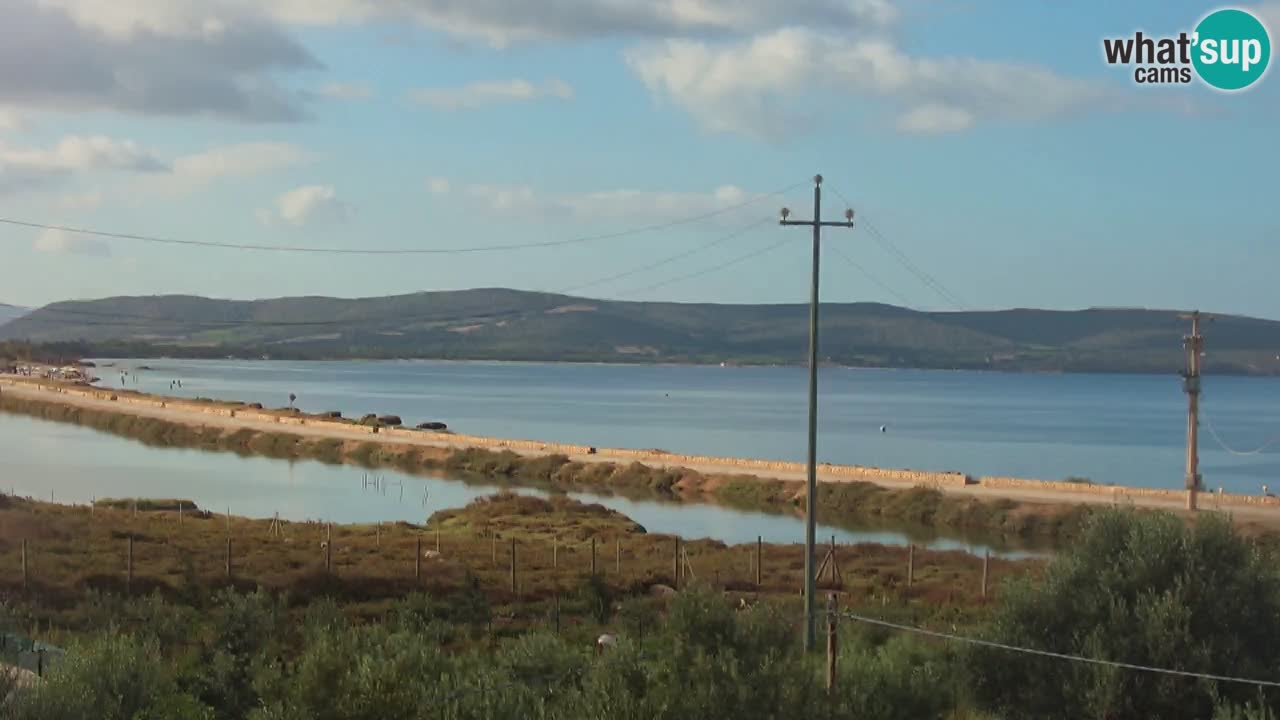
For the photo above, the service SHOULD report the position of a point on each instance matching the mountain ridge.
(505, 324)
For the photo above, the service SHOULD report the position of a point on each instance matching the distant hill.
(500, 324)
(11, 312)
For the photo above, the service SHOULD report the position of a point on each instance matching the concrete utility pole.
(1194, 344)
(811, 492)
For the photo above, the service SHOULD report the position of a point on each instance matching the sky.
(993, 158)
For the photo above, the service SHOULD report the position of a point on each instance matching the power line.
(709, 270)
(902, 258)
(1243, 453)
(115, 319)
(400, 251)
(668, 260)
(1057, 656)
(868, 275)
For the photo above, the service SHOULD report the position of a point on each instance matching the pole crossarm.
(811, 487)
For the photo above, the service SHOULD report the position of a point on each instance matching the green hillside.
(504, 324)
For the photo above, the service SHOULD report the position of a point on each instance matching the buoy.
(883, 428)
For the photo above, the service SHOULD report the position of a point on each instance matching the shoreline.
(735, 480)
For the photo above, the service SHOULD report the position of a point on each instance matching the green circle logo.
(1232, 49)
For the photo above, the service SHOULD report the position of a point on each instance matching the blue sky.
(988, 141)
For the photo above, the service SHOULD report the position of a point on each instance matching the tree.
(1140, 588)
(292, 398)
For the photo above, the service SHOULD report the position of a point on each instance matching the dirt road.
(1269, 515)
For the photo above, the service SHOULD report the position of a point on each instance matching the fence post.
(377, 535)
(128, 582)
(228, 558)
(986, 560)
(676, 565)
(24, 563)
(555, 552)
(617, 555)
(593, 557)
(557, 613)
(417, 562)
(40, 663)
(911, 564)
(831, 643)
(328, 547)
(179, 512)
(513, 566)
(759, 556)
(493, 541)
(437, 541)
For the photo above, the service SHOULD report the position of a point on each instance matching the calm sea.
(1121, 429)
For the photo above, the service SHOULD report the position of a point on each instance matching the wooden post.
(179, 512)
(377, 535)
(228, 558)
(831, 643)
(911, 564)
(328, 547)
(617, 554)
(555, 552)
(557, 613)
(417, 562)
(493, 542)
(128, 581)
(437, 541)
(513, 566)
(986, 560)
(228, 520)
(593, 556)
(759, 555)
(676, 565)
(24, 563)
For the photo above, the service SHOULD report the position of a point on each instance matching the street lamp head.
(786, 213)
(848, 215)
(817, 179)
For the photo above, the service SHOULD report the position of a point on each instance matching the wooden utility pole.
(811, 487)
(1194, 345)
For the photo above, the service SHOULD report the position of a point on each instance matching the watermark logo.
(1229, 50)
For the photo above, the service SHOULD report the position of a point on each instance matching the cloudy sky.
(1002, 162)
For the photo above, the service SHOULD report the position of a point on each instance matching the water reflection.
(78, 465)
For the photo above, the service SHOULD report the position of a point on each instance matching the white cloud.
(475, 95)
(741, 87)
(606, 205)
(80, 153)
(307, 205)
(36, 169)
(152, 57)
(10, 120)
(935, 118)
(192, 172)
(346, 91)
(60, 242)
(240, 160)
(438, 185)
(503, 22)
(496, 22)
(88, 200)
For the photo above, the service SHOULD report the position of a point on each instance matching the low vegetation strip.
(841, 503)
